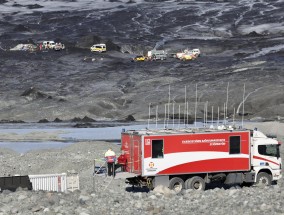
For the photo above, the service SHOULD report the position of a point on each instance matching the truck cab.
(265, 157)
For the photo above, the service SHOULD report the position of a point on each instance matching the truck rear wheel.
(176, 184)
(195, 183)
(263, 179)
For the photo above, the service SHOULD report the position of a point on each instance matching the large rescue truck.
(190, 159)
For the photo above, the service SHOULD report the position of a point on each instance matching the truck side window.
(269, 150)
(157, 149)
(235, 145)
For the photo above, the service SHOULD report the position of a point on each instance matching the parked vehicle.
(188, 54)
(25, 47)
(182, 159)
(139, 58)
(157, 55)
(98, 48)
(48, 44)
(59, 46)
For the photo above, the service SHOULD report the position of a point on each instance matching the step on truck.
(191, 159)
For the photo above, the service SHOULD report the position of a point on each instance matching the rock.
(57, 120)
(14, 210)
(232, 192)
(130, 118)
(43, 121)
(83, 125)
(32, 93)
(34, 6)
(36, 208)
(160, 189)
(84, 198)
(87, 119)
(22, 197)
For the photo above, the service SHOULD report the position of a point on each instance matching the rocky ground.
(119, 198)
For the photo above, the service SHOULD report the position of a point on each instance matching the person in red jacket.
(121, 162)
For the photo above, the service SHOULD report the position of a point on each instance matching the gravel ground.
(119, 198)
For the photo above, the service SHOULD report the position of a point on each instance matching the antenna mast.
(179, 116)
(169, 105)
(227, 100)
(165, 116)
(149, 115)
(218, 117)
(243, 106)
(195, 105)
(173, 114)
(184, 105)
(212, 115)
(156, 116)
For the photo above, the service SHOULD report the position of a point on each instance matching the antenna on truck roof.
(149, 115)
(227, 99)
(184, 105)
(195, 105)
(243, 105)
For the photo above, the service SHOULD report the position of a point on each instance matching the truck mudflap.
(276, 175)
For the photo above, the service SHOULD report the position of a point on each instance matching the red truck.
(190, 159)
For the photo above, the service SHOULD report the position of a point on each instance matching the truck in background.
(191, 159)
(188, 54)
(157, 55)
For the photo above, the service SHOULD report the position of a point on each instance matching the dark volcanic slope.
(241, 42)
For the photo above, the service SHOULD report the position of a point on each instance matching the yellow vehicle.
(139, 58)
(98, 48)
(189, 56)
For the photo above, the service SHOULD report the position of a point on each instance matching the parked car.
(139, 58)
(98, 48)
(59, 46)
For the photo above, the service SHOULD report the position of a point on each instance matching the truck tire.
(263, 179)
(195, 183)
(176, 184)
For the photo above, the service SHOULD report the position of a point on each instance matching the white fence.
(55, 182)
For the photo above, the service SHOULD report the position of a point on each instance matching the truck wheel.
(176, 184)
(195, 183)
(263, 179)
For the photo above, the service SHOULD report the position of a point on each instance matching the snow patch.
(267, 50)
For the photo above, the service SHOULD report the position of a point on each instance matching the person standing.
(110, 159)
(121, 161)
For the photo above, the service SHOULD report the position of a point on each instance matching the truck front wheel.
(176, 184)
(195, 183)
(263, 179)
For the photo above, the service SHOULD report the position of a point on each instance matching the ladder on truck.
(101, 171)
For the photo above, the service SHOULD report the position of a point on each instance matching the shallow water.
(66, 134)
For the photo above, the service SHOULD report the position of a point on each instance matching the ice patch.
(268, 28)
(265, 51)
(53, 5)
(240, 70)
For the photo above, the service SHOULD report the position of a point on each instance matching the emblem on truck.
(151, 164)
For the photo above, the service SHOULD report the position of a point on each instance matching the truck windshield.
(269, 150)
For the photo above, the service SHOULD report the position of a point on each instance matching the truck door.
(135, 154)
(267, 155)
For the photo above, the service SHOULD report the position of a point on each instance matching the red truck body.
(173, 153)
